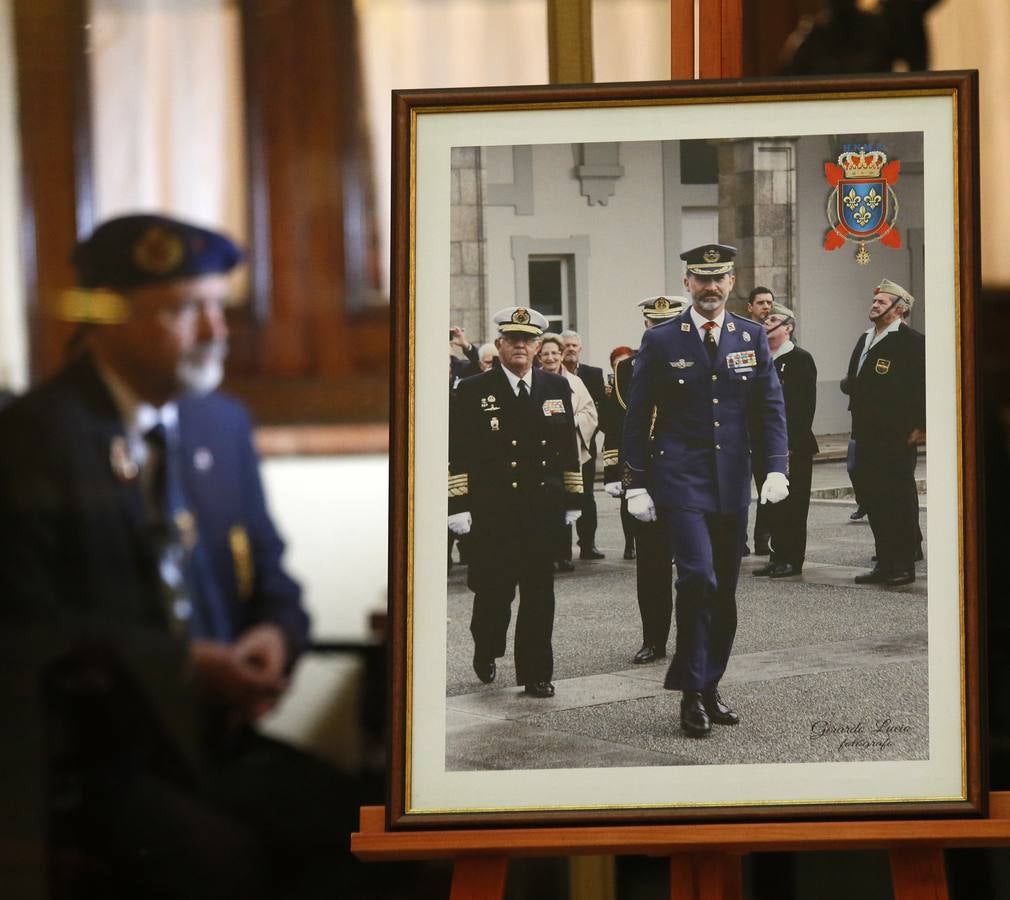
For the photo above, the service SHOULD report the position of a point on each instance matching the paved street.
(809, 650)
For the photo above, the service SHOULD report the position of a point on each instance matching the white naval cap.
(520, 319)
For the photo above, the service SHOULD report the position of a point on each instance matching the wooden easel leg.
(918, 874)
(478, 878)
(705, 876)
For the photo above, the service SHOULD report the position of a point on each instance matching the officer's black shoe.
(564, 565)
(858, 513)
(694, 720)
(718, 711)
(784, 570)
(761, 548)
(485, 668)
(541, 689)
(875, 576)
(629, 551)
(591, 553)
(648, 653)
(900, 577)
(766, 569)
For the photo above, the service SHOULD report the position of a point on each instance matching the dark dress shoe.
(900, 577)
(784, 570)
(694, 720)
(540, 689)
(874, 576)
(858, 513)
(564, 565)
(591, 553)
(766, 569)
(718, 711)
(485, 669)
(648, 653)
(761, 548)
(629, 552)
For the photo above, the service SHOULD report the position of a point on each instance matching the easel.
(705, 859)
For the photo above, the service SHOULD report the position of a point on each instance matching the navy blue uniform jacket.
(707, 416)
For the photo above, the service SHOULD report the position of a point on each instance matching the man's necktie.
(710, 345)
(524, 396)
(172, 527)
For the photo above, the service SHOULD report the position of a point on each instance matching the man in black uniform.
(787, 521)
(653, 561)
(514, 476)
(886, 384)
(592, 378)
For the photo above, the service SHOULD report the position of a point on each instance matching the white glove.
(613, 488)
(459, 523)
(640, 505)
(571, 515)
(775, 488)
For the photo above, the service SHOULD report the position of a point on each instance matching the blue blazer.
(707, 416)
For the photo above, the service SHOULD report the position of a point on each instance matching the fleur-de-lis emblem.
(863, 216)
(851, 199)
(873, 199)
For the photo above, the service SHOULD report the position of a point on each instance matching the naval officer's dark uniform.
(514, 466)
(887, 399)
(787, 520)
(700, 469)
(653, 560)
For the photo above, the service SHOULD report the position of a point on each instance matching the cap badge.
(661, 304)
(520, 316)
(123, 465)
(158, 251)
(711, 255)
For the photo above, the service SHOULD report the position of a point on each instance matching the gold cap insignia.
(661, 304)
(520, 316)
(711, 255)
(158, 251)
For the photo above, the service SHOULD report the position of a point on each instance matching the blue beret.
(138, 250)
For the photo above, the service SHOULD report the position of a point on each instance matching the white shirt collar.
(871, 332)
(515, 379)
(138, 416)
(699, 322)
(783, 350)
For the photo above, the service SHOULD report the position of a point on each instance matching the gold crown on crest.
(862, 162)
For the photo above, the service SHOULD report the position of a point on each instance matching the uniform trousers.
(654, 582)
(585, 526)
(532, 571)
(884, 479)
(707, 548)
(787, 519)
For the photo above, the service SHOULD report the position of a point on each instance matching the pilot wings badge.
(682, 363)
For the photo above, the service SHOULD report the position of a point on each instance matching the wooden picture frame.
(942, 770)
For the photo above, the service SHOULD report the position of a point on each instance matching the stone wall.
(467, 270)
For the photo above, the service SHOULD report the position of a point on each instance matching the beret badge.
(158, 251)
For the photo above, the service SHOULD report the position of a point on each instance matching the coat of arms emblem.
(862, 206)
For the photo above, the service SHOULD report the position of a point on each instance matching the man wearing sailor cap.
(653, 560)
(886, 384)
(514, 477)
(709, 377)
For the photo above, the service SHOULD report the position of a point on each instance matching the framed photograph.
(850, 683)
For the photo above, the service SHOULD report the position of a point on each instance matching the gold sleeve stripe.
(610, 457)
(573, 482)
(459, 485)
